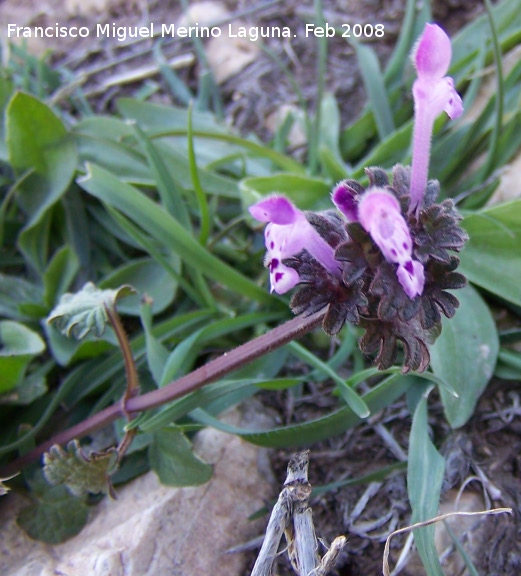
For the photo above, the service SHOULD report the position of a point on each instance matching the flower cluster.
(384, 259)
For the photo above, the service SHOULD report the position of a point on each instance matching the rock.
(153, 529)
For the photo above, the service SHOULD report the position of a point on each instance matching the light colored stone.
(151, 530)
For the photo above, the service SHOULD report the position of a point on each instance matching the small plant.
(159, 198)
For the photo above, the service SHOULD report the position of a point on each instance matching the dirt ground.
(488, 448)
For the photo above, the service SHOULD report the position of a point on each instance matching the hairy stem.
(224, 364)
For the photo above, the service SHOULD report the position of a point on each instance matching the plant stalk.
(213, 370)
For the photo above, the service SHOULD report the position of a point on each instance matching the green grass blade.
(327, 426)
(161, 226)
(375, 87)
(424, 477)
(199, 192)
(351, 398)
(169, 190)
(280, 160)
(489, 165)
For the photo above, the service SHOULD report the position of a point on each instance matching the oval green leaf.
(492, 257)
(465, 355)
(18, 345)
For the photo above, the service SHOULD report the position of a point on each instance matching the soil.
(489, 446)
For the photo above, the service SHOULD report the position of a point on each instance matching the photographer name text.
(254, 33)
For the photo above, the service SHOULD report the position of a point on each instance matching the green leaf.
(107, 142)
(424, 478)
(157, 354)
(464, 355)
(375, 87)
(54, 519)
(337, 422)
(27, 391)
(390, 151)
(167, 186)
(172, 459)
(15, 292)
(167, 230)
(414, 19)
(85, 311)
(18, 345)
(38, 141)
(204, 211)
(169, 121)
(210, 394)
(184, 354)
(351, 398)
(6, 90)
(158, 117)
(330, 126)
(148, 278)
(81, 474)
(66, 350)
(59, 274)
(492, 257)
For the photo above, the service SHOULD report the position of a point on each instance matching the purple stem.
(224, 364)
(421, 146)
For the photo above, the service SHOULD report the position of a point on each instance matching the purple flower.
(343, 197)
(433, 93)
(379, 213)
(287, 233)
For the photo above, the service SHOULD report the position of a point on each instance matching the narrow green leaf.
(166, 230)
(382, 395)
(164, 121)
(170, 263)
(6, 91)
(465, 355)
(351, 398)
(157, 354)
(196, 182)
(177, 87)
(203, 397)
(389, 152)
(168, 188)
(424, 477)
(172, 459)
(112, 150)
(375, 87)
(182, 357)
(59, 274)
(330, 126)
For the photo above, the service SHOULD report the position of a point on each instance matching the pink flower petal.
(433, 53)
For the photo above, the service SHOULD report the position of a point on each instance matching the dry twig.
(292, 516)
